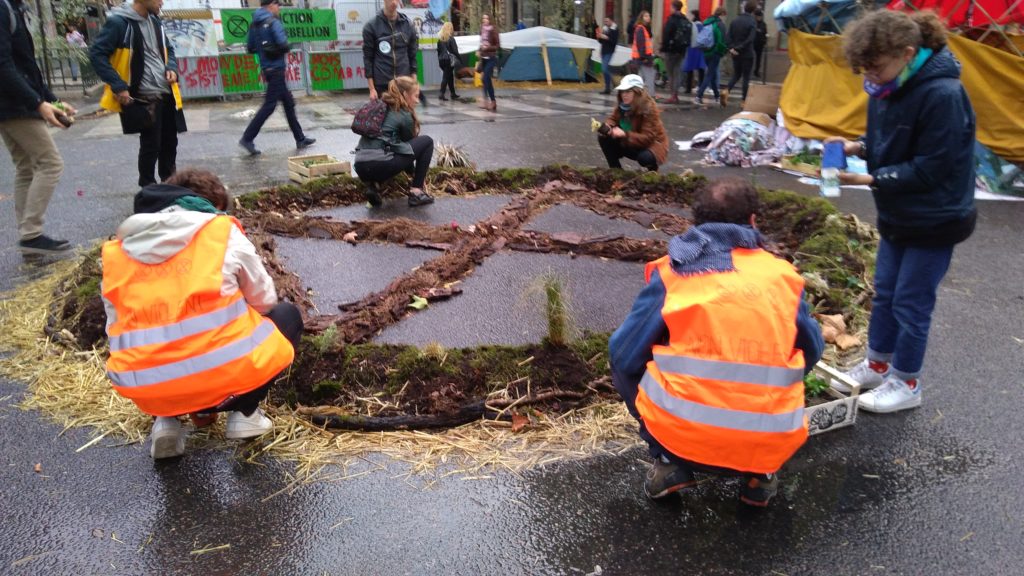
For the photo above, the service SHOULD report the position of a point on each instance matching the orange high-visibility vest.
(727, 390)
(177, 346)
(648, 49)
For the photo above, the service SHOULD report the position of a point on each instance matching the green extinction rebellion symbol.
(300, 25)
(237, 25)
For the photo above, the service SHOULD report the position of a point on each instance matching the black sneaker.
(421, 199)
(665, 478)
(249, 147)
(759, 490)
(43, 244)
(373, 196)
(305, 143)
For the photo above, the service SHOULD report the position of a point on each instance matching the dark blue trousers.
(277, 91)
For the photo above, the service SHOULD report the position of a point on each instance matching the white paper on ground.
(815, 182)
(683, 145)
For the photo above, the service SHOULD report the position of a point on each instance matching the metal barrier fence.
(319, 71)
(233, 73)
(64, 71)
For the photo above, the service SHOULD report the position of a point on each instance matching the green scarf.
(197, 204)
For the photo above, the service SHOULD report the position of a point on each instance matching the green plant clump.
(558, 322)
(814, 385)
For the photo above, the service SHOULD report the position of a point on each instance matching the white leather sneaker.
(167, 438)
(251, 426)
(862, 373)
(892, 396)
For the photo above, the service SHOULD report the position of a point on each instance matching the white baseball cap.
(630, 81)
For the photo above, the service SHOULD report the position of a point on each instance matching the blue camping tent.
(569, 55)
(527, 63)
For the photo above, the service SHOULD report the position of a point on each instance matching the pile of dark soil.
(372, 387)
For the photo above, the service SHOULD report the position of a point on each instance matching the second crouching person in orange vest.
(712, 356)
(193, 319)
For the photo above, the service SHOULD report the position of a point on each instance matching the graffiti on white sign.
(191, 38)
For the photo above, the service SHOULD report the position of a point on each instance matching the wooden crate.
(299, 172)
(837, 413)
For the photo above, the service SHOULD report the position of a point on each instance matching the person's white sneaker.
(167, 438)
(867, 376)
(251, 426)
(892, 396)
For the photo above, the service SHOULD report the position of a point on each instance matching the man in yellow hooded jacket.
(135, 60)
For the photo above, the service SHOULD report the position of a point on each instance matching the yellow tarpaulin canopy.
(822, 97)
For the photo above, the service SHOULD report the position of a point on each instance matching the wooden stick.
(547, 65)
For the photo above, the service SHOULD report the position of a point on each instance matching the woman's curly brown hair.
(886, 33)
(204, 183)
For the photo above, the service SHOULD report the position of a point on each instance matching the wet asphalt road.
(932, 491)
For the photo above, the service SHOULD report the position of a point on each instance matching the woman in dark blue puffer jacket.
(919, 150)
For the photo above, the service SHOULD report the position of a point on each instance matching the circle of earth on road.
(341, 379)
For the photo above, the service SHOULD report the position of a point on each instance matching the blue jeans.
(906, 281)
(606, 71)
(489, 64)
(711, 76)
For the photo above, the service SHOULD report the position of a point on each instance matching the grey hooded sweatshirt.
(153, 79)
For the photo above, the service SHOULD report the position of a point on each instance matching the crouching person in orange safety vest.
(193, 319)
(712, 356)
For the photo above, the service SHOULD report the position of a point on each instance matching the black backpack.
(681, 38)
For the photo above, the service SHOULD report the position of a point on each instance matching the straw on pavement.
(72, 388)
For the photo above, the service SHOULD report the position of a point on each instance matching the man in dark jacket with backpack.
(675, 41)
(268, 39)
(389, 48)
(25, 110)
(742, 35)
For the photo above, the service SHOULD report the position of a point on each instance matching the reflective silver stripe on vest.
(729, 371)
(178, 330)
(201, 363)
(721, 417)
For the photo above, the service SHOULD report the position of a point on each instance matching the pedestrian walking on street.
(221, 336)
(634, 129)
(608, 37)
(919, 150)
(675, 41)
(389, 48)
(694, 57)
(682, 360)
(76, 42)
(760, 41)
(713, 55)
(267, 38)
(136, 62)
(448, 59)
(490, 44)
(399, 148)
(643, 52)
(25, 111)
(742, 36)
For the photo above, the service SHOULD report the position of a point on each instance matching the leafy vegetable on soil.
(807, 156)
(315, 161)
(814, 385)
